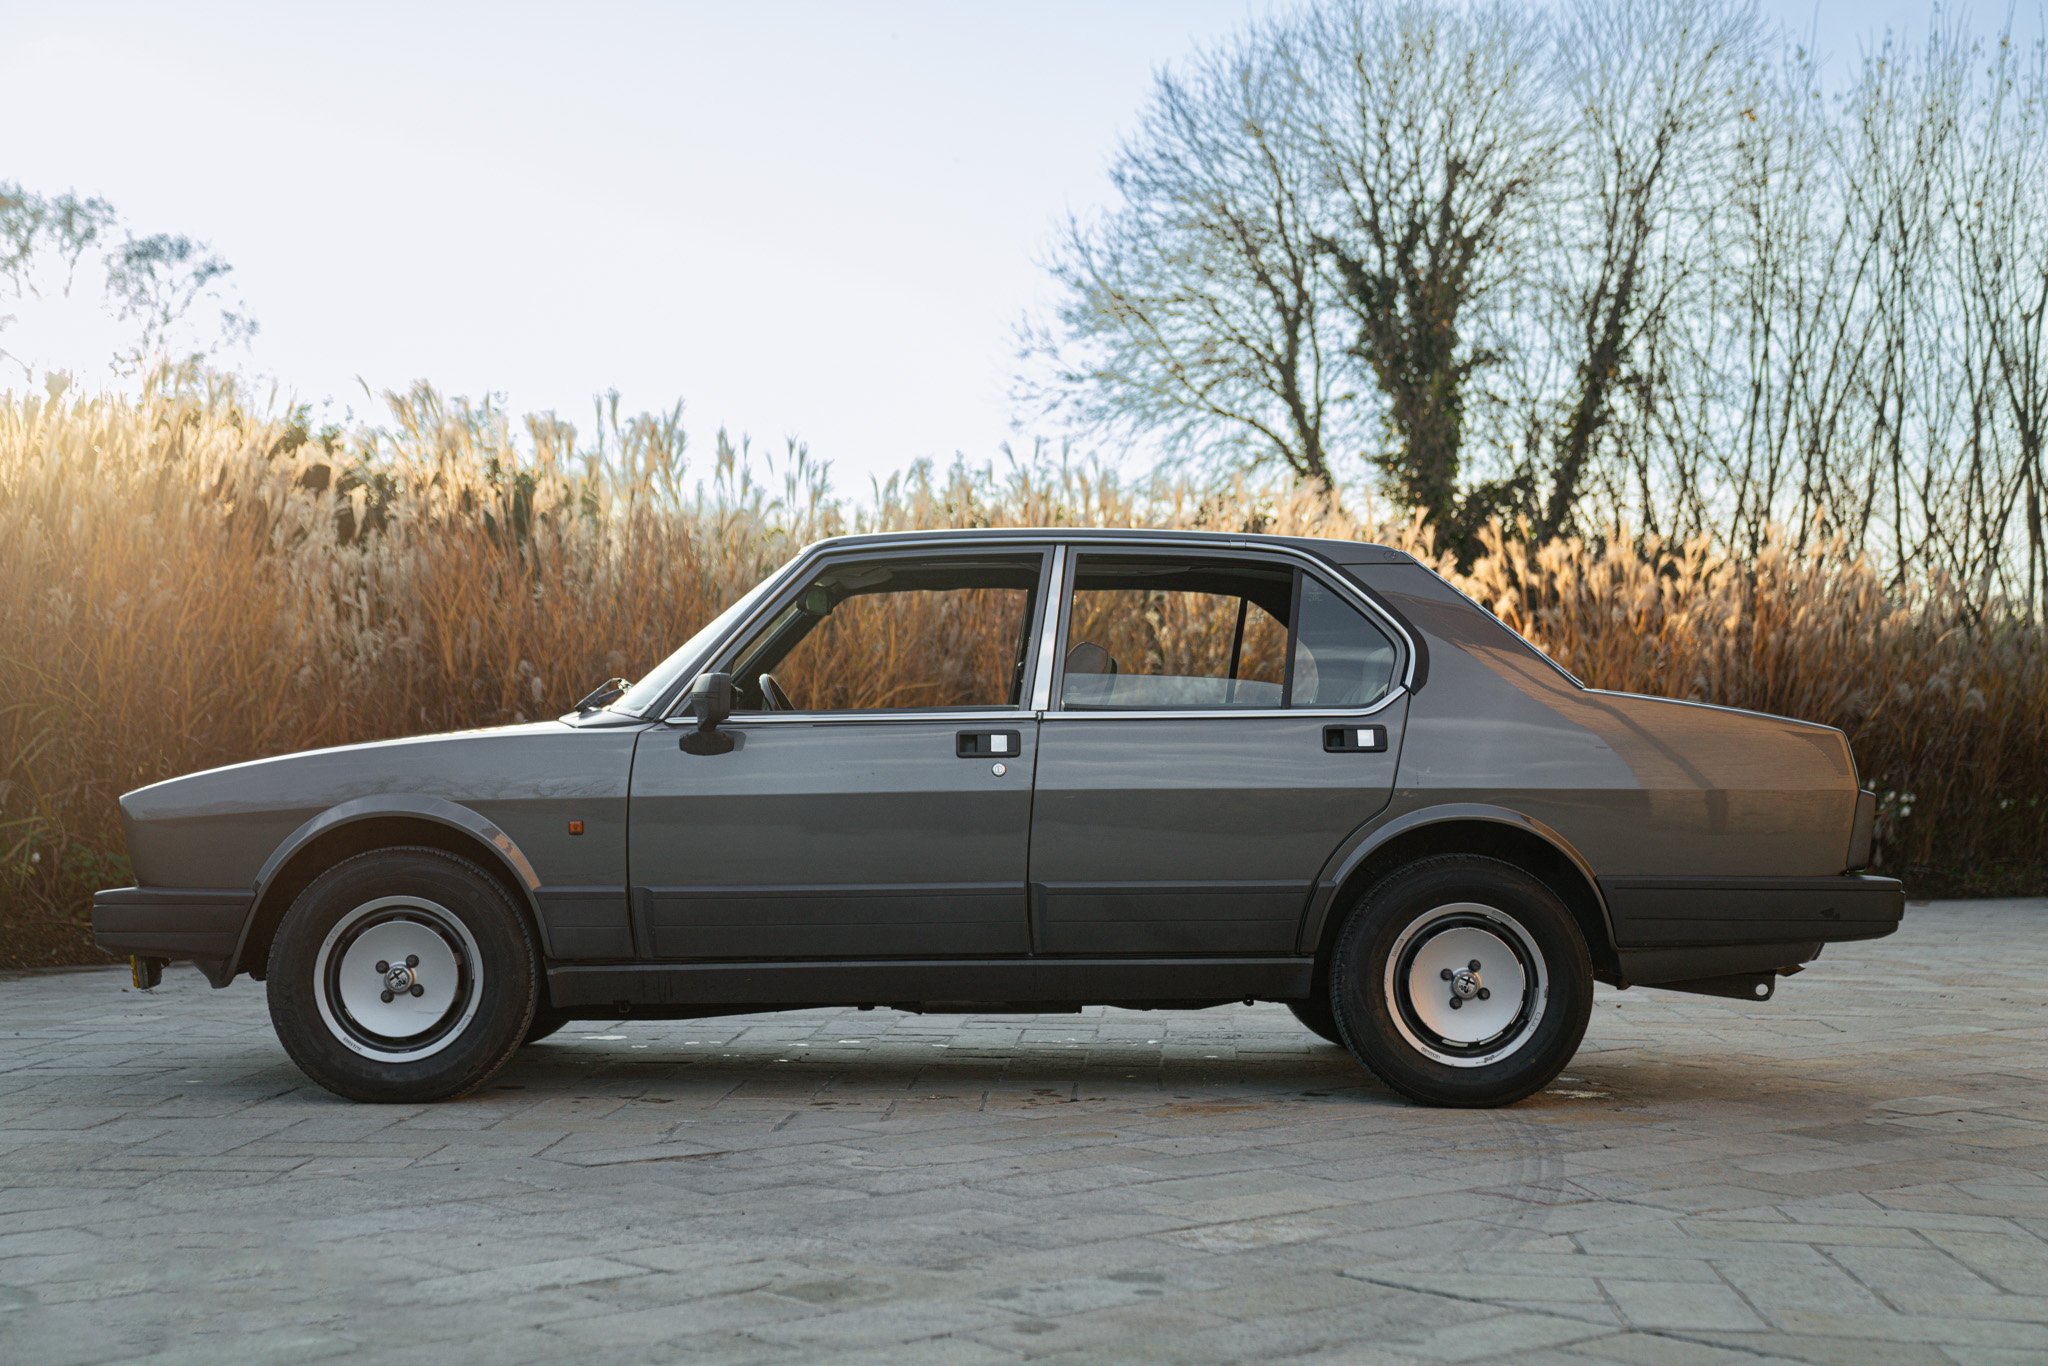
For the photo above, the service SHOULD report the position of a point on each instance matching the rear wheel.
(403, 975)
(1462, 980)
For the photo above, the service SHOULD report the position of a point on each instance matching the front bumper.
(1684, 929)
(203, 924)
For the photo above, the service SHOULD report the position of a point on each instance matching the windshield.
(645, 695)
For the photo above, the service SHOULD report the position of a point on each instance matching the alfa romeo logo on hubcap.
(1465, 984)
(398, 979)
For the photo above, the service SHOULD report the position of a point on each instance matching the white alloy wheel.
(1467, 983)
(398, 978)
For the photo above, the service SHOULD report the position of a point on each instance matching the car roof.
(1333, 551)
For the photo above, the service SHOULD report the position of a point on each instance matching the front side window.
(1179, 634)
(896, 633)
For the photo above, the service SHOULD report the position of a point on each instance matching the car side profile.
(1027, 770)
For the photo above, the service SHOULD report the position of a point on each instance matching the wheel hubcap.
(398, 978)
(1467, 984)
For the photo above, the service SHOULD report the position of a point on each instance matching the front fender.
(408, 806)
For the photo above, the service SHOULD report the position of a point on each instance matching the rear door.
(1218, 723)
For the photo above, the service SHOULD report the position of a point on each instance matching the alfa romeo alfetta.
(1027, 771)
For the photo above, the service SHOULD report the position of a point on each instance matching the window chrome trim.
(1346, 592)
(778, 585)
(799, 571)
(1331, 578)
(1063, 549)
(748, 720)
(1052, 628)
(1394, 694)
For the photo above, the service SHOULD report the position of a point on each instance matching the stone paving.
(1856, 1171)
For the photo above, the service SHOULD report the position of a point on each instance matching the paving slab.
(1854, 1171)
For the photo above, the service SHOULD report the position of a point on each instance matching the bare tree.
(1435, 140)
(1611, 265)
(42, 240)
(1651, 82)
(1194, 311)
(2000, 214)
(168, 288)
(160, 281)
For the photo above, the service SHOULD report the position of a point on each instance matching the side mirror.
(711, 698)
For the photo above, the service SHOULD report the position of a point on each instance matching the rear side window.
(1199, 634)
(1341, 659)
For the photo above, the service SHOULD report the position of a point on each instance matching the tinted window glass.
(894, 634)
(1150, 634)
(1341, 659)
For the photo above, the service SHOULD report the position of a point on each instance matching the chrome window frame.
(1052, 629)
(817, 557)
(1404, 643)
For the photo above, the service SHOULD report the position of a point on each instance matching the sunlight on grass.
(187, 581)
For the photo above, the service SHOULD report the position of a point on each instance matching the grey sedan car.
(1027, 771)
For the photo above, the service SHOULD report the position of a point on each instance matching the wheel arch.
(1486, 831)
(369, 823)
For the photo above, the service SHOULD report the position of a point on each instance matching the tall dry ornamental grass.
(186, 581)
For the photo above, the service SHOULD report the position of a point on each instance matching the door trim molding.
(747, 720)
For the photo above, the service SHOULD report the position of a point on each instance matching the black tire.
(1315, 1013)
(474, 977)
(1385, 981)
(546, 1021)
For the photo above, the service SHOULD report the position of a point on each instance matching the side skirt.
(932, 984)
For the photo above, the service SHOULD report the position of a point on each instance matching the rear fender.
(1375, 838)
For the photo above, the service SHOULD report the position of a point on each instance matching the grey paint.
(854, 837)
(1622, 785)
(1637, 786)
(438, 810)
(1192, 834)
(1172, 837)
(1392, 824)
(236, 826)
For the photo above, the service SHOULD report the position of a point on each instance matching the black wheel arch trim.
(1375, 836)
(402, 806)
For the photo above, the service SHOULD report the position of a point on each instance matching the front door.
(876, 802)
(1219, 725)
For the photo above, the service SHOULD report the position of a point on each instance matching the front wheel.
(403, 975)
(1461, 980)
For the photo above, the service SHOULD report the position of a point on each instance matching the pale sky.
(819, 220)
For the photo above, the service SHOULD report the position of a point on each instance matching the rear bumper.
(203, 924)
(1677, 929)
